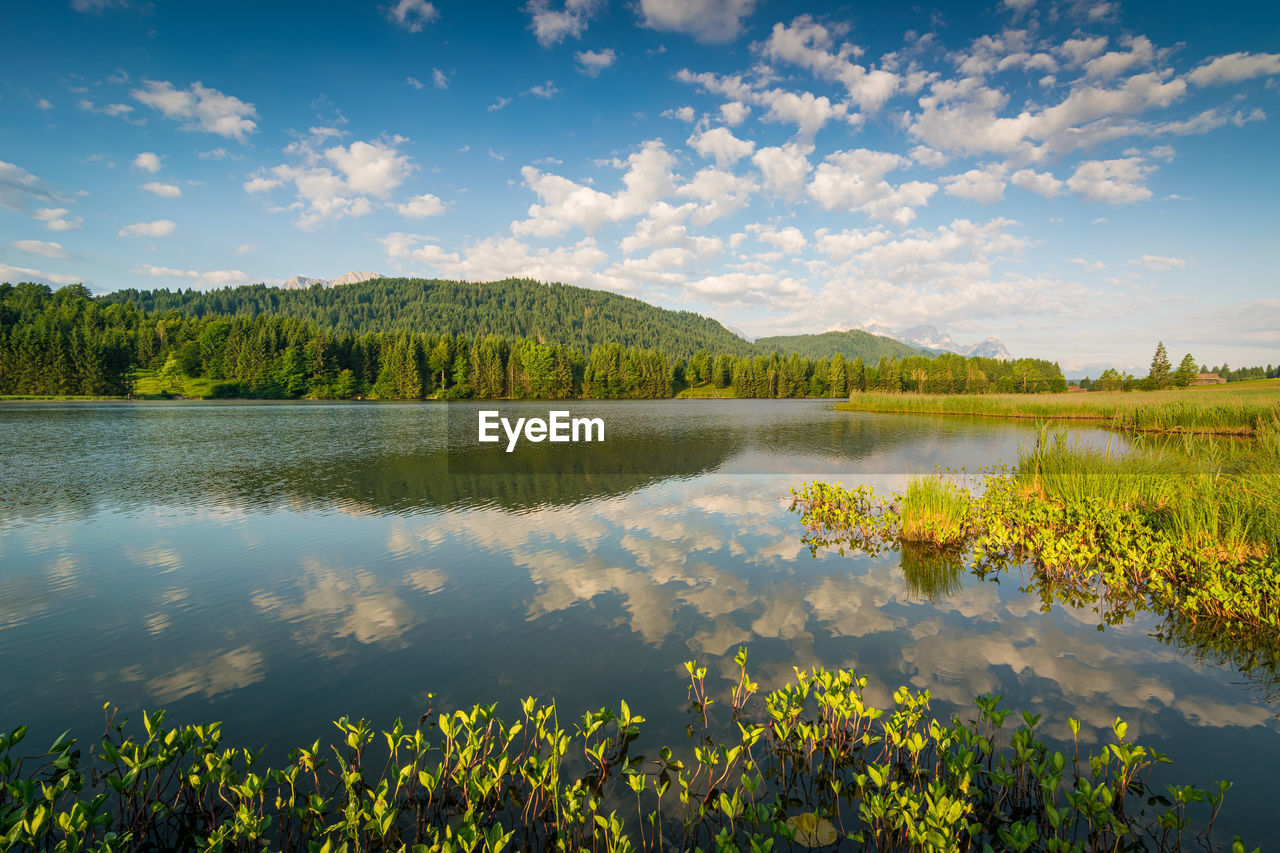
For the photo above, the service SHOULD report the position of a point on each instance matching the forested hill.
(514, 308)
(855, 343)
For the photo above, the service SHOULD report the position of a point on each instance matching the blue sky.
(1077, 178)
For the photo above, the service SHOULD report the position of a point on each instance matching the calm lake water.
(276, 566)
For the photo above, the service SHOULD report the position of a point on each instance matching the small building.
(1075, 389)
(1209, 379)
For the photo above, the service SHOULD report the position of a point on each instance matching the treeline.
(65, 343)
(515, 308)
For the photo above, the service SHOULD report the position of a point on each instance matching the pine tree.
(1160, 367)
(1186, 373)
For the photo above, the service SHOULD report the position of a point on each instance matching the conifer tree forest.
(66, 342)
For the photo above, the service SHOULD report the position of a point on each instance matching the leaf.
(811, 830)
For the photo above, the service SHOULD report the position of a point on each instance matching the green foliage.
(1159, 376)
(851, 344)
(1192, 530)
(810, 763)
(574, 317)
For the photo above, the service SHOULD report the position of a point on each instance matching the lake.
(278, 565)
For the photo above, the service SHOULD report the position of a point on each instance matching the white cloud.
(592, 62)
(439, 79)
(200, 107)
(214, 154)
(1157, 263)
(1078, 51)
(411, 15)
(414, 82)
(42, 248)
(854, 180)
(260, 184)
(705, 20)
(157, 228)
(719, 192)
(790, 240)
(1114, 181)
(1235, 67)
(565, 204)
(679, 113)
(811, 45)
(1043, 183)
(1141, 52)
(164, 190)
(18, 188)
(421, 206)
(211, 278)
(56, 219)
(339, 181)
(147, 161)
(551, 26)
(784, 168)
(246, 249)
(734, 113)
(985, 185)
(43, 104)
(12, 274)
(499, 104)
(926, 156)
(720, 143)
(1091, 266)
(543, 90)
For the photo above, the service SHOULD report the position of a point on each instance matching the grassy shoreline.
(1243, 408)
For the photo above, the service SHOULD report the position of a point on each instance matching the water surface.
(278, 565)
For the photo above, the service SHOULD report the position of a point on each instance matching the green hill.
(851, 344)
(514, 308)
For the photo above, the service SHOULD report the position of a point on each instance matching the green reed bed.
(1192, 528)
(811, 764)
(1247, 408)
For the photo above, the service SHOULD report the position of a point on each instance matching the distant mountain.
(514, 308)
(302, 282)
(854, 343)
(928, 337)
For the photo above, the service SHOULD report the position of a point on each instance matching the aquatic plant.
(811, 763)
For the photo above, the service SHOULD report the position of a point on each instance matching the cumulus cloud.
(1157, 263)
(705, 20)
(1043, 183)
(812, 46)
(421, 206)
(790, 240)
(985, 184)
(592, 62)
(1114, 181)
(721, 145)
(784, 168)
(684, 113)
(156, 228)
(200, 108)
(42, 248)
(337, 181)
(211, 278)
(164, 190)
(1235, 67)
(411, 15)
(57, 219)
(147, 161)
(551, 26)
(734, 113)
(565, 204)
(855, 180)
